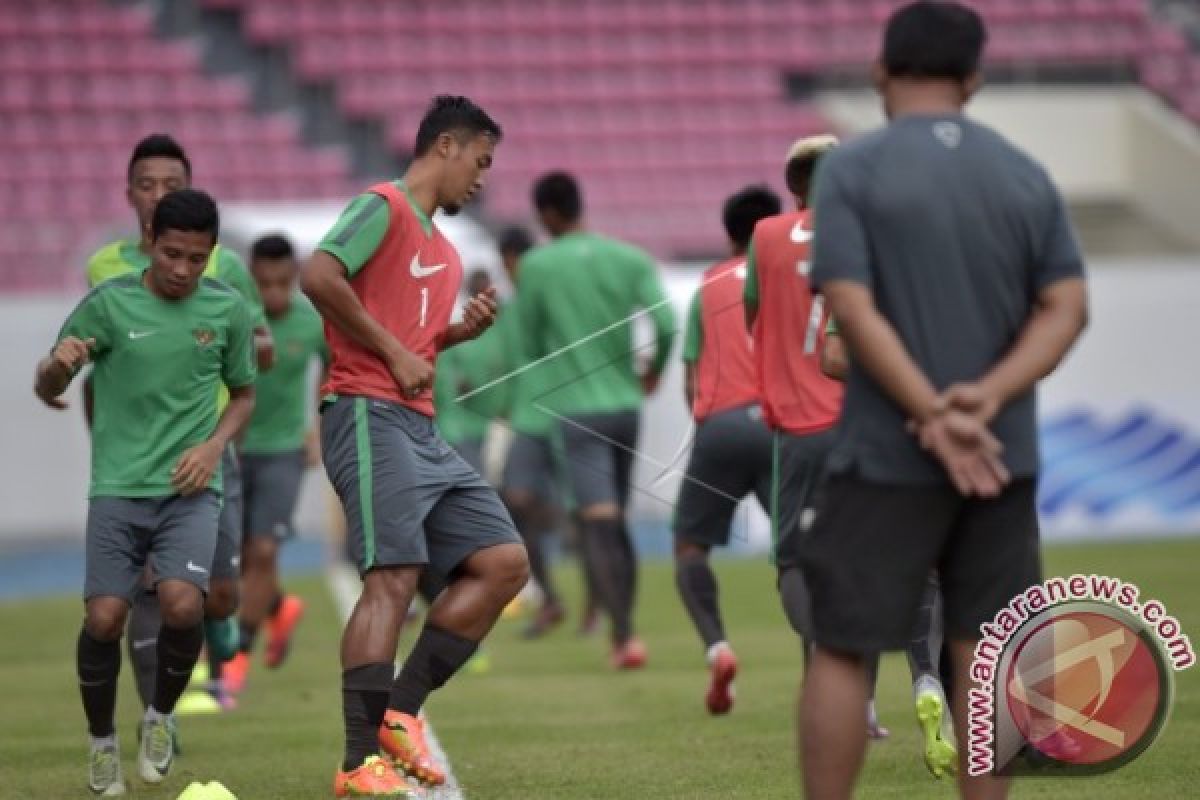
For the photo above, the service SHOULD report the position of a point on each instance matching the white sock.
(102, 742)
(711, 655)
(154, 715)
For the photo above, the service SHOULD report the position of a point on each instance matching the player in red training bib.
(731, 452)
(386, 281)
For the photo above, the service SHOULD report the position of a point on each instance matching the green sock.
(222, 636)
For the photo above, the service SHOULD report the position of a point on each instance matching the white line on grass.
(345, 587)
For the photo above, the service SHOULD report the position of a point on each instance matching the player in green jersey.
(162, 341)
(577, 298)
(279, 443)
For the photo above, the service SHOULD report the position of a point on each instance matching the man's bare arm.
(55, 371)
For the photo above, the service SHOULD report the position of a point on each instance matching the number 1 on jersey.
(424, 304)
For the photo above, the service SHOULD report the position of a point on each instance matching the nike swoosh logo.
(423, 272)
(178, 673)
(141, 334)
(193, 568)
(799, 235)
(142, 644)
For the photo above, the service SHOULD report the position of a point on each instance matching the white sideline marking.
(345, 587)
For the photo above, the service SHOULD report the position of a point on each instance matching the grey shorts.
(799, 472)
(532, 466)
(868, 556)
(598, 454)
(176, 534)
(270, 487)
(409, 498)
(471, 451)
(731, 457)
(227, 560)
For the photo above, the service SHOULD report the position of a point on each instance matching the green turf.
(551, 720)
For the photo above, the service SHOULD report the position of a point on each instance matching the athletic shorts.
(177, 534)
(409, 498)
(598, 456)
(227, 560)
(532, 466)
(731, 457)
(270, 487)
(799, 472)
(471, 451)
(869, 552)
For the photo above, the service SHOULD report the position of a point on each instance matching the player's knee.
(519, 502)
(687, 552)
(259, 554)
(599, 512)
(508, 568)
(390, 586)
(105, 618)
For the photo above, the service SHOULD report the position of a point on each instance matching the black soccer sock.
(609, 555)
(434, 659)
(178, 651)
(698, 589)
(145, 619)
(926, 642)
(365, 691)
(247, 636)
(98, 664)
(534, 537)
(216, 665)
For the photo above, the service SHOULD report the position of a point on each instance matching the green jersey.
(522, 389)
(158, 365)
(280, 419)
(577, 297)
(460, 370)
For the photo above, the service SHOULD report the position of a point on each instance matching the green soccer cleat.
(941, 755)
(104, 771)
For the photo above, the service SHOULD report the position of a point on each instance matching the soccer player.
(279, 443)
(385, 279)
(577, 296)
(162, 341)
(464, 422)
(949, 263)
(925, 648)
(159, 165)
(532, 468)
(731, 452)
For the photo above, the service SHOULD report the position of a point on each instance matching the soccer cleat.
(221, 637)
(280, 628)
(234, 673)
(104, 771)
(402, 737)
(157, 751)
(631, 655)
(373, 778)
(548, 617)
(722, 670)
(941, 755)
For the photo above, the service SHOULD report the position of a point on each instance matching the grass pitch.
(550, 720)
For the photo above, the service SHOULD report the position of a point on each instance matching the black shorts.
(533, 465)
(599, 450)
(799, 471)
(868, 555)
(731, 457)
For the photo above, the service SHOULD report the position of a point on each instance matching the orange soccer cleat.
(280, 628)
(402, 737)
(373, 778)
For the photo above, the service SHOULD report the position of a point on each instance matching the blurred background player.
(925, 652)
(163, 340)
(577, 296)
(938, 435)
(159, 165)
(532, 478)
(731, 451)
(463, 417)
(800, 403)
(280, 442)
(386, 280)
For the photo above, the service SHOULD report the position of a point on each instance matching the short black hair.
(158, 145)
(929, 39)
(744, 209)
(516, 240)
(559, 191)
(188, 210)
(453, 114)
(272, 246)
